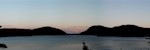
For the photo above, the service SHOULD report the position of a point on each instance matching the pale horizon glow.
(73, 16)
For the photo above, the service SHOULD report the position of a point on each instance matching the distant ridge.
(5, 32)
(48, 31)
(95, 30)
(123, 30)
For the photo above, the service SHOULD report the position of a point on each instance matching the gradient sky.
(73, 16)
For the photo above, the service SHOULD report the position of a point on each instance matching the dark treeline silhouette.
(84, 46)
(48, 31)
(123, 31)
(4, 32)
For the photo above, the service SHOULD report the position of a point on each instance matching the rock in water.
(3, 46)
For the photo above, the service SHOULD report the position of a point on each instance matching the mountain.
(48, 31)
(95, 30)
(4, 32)
(123, 30)
(14, 32)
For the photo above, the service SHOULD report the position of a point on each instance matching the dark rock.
(3, 46)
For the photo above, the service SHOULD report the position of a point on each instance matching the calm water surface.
(74, 42)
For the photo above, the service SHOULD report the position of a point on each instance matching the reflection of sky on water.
(73, 43)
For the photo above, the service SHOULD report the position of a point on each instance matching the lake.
(74, 42)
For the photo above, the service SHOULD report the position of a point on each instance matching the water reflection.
(74, 42)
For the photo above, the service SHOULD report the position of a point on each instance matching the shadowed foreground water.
(74, 42)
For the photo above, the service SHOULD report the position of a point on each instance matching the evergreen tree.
(84, 46)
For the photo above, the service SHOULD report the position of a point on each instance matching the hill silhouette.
(14, 32)
(48, 31)
(96, 30)
(4, 32)
(123, 30)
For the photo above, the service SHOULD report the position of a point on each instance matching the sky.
(73, 16)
